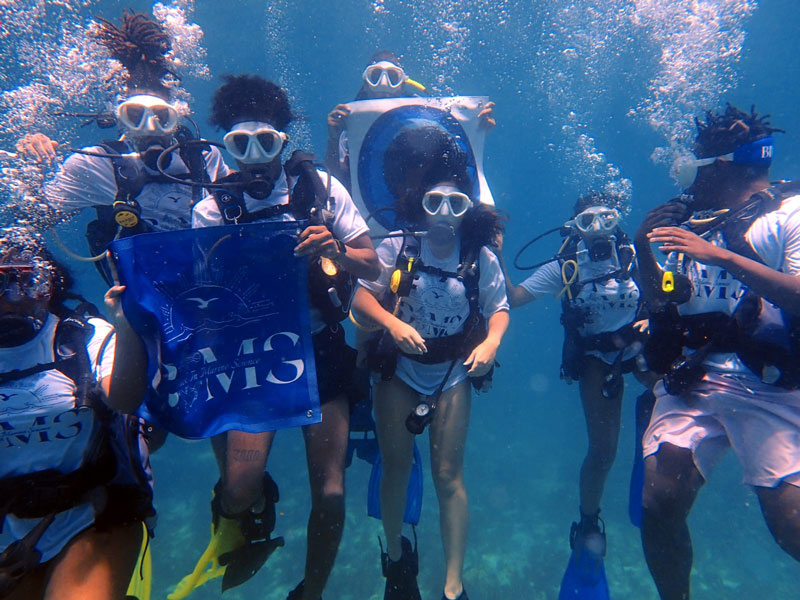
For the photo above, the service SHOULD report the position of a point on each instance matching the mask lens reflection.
(240, 141)
(395, 76)
(134, 114)
(269, 141)
(432, 201)
(164, 116)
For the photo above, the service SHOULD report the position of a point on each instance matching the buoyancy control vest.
(114, 474)
(573, 314)
(383, 352)
(763, 336)
(123, 217)
(330, 287)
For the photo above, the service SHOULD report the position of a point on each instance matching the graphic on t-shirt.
(435, 308)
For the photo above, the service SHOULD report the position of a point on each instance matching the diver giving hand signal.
(676, 239)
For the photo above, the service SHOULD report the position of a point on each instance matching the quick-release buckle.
(230, 215)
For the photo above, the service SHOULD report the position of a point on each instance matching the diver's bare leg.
(781, 509)
(326, 450)
(392, 401)
(671, 484)
(448, 441)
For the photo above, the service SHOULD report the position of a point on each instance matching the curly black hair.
(141, 45)
(419, 159)
(249, 98)
(723, 132)
(595, 198)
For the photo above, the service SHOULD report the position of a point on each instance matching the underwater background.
(590, 95)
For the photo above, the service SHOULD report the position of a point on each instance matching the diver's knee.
(329, 503)
(448, 481)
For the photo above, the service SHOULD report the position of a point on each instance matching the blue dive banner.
(224, 314)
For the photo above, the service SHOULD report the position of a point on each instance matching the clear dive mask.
(437, 203)
(145, 115)
(18, 280)
(596, 220)
(384, 76)
(254, 142)
(757, 153)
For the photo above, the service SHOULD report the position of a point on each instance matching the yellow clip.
(568, 281)
(668, 281)
(410, 264)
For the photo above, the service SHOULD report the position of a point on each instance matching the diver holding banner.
(330, 248)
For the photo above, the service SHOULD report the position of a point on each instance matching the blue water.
(556, 70)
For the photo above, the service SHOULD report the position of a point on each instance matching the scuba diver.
(120, 178)
(724, 330)
(383, 77)
(441, 310)
(255, 113)
(75, 476)
(592, 274)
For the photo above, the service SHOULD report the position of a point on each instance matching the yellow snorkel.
(415, 84)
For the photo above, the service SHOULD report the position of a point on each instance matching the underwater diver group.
(711, 332)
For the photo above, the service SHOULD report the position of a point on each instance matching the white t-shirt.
(775, 237)
(608, 304)
(88, 181)
(40, 427)
(437, 308)
(348, 224)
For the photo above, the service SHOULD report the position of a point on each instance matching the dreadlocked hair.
(141, 45)
(722, 133)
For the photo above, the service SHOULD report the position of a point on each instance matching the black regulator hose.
(529, 244)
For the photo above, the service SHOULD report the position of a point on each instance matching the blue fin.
(413, 495)
(644, 410)
(585, 577)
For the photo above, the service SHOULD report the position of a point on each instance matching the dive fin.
(413, 494)
(244, 562)
(644, 410)
(585, 578)
(141, 580)
(226, 537)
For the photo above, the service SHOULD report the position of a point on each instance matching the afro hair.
(250, 98)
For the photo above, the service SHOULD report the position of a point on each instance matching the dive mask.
(597, 220)
(145, 115)
(757, 153)
(254, 142)
(384, 76)
(19, 280)
(455, 204)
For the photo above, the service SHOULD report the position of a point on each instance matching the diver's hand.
(316, 241)
(337, 119)
(664, 215)
(481, 358)
(675, 239)
(37, 146)
(486, 117)
(113, 301)
(642, 325)
(407, 338)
